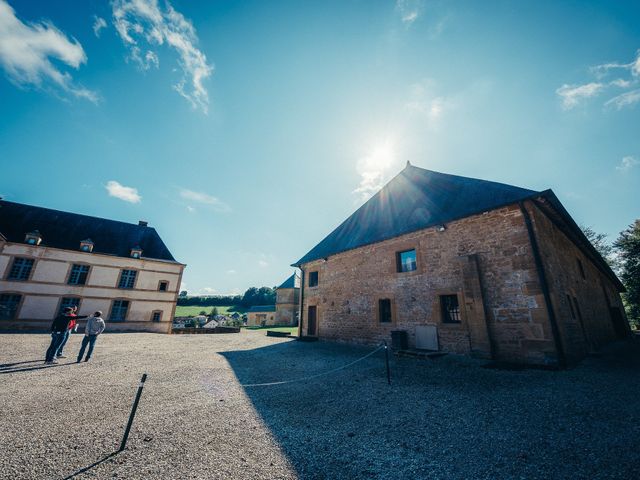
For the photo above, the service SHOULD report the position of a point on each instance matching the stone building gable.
(484, 259)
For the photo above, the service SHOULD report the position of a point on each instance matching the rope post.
(133, 413)
(386, 358)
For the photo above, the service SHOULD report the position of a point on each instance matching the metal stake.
(133, 413)
(386, 358)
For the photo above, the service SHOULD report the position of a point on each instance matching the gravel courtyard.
(444, 418)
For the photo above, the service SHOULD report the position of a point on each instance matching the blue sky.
(246, 131)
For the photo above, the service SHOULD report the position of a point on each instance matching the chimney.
(142, 223)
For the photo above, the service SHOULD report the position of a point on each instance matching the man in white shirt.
(95, 326)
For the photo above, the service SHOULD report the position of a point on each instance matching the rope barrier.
(268, 384)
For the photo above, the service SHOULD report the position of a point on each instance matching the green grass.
(192, 311)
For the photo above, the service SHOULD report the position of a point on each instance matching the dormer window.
(136, 252)
(86, 245)
(33, 238)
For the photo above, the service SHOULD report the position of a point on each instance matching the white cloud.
(128, 194)
(26, 51)
(263, 263)
(190, 209)
(409, 10)
(573, 94)
(204, 199)
(208, 291)
(98, 24)
(627, 163)
(231, 272)
(139, 22)
(624, 99)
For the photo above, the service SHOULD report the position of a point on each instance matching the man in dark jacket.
(58, 330)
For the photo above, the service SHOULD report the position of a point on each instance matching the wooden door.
(312, 321)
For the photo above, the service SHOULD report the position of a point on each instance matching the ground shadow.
(8, 365)
(95, 464)
(39, 367)
(444, 418)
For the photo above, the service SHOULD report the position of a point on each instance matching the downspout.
(301, 316)
(562, 359)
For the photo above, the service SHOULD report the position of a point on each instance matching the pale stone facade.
(51, 259)
(42, 293)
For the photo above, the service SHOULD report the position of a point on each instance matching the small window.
(33, 238)
(21, 269)
(78, 275)
(119, 310)
(9, 306)
(156, 316)
(406, 261)
(384, 310)
(581, 269)
(68, 302)
(136, 252)
(573, 313)
(450, 309)
(163, 286)
(313, 279)
(127, 279)
(86, 245)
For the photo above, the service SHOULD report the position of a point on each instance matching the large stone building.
(51, 259)
(463, 265)
(287, 301)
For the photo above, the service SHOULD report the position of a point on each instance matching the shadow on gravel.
(30, 369)
(89, 467)
(449, 418)
(8, 365)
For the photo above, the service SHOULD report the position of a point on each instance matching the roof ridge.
(73, 213)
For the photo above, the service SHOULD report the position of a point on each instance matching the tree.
(628, 246)
(604, 248)
(214, 312)
(183, 293)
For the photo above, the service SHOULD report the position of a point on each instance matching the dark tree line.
(252, 297)
(624, 258)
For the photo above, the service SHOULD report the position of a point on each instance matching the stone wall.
(287, 300)
(580, 303)
(484, 259)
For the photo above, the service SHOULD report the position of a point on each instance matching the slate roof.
(413, 200)
(292, 282)
(65, 230)
(262, 308)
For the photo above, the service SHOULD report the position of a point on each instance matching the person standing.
(95, 326)
(73, 325)
(59, 328)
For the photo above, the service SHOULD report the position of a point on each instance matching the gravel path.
(445, 418)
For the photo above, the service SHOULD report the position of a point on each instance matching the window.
(573, 313)
(21, 269)
(68, 302)
(78, 275)
(86, 245)
(406, 261)
(156, 316)
(313, 279)
(163, 286)
(384, 310)
(119, 310)
(581, 269)
(450, 309)
(127, 279)
(9, 306)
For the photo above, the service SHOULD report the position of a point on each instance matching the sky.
(245, 132)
